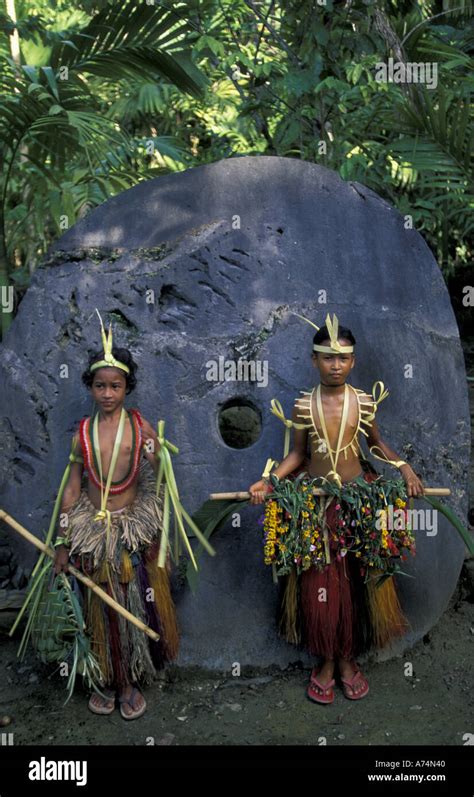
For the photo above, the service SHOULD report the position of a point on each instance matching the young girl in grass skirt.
(113, 535)
(124, 564)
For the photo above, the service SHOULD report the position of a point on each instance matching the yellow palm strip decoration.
(171, 494)
(303, 318)
(268, 467)
(107, 343)
(333, 329)
(397, 463)
(382, 392)
(379, 388)
(333, 456)
(277, 410)
(104, 513)
(345, 410)
(332, 326)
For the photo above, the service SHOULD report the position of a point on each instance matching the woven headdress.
(109, 360)
(333, 331)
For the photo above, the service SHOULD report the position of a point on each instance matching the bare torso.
(348, 463)
(107, 433)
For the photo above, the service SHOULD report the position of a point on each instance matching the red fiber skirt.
(333, 606)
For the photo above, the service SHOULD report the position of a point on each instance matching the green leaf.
(332, 83)
(321, 33)
(454, 520)
(287, 132)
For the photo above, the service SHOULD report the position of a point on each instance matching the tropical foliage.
(98, 96)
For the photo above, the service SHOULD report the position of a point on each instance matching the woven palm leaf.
(58, 632)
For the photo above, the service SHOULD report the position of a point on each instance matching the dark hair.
(323, 334)
(124, 356)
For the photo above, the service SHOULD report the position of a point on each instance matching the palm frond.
(132, 39)
(467, 538)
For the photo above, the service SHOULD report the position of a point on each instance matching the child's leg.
(132, 702)
(321, 683)
(326, 671)
(353, 681)
(100, 705)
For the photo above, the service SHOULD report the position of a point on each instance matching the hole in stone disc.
(240, 423)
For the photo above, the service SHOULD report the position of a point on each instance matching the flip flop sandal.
(327, 690)
(103, 709)
(130, 700)
(348, 686)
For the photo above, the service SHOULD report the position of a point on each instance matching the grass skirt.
(333, 613)
(124, 564)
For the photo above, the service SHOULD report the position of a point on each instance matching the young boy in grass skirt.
(329, 602)
(113, 536)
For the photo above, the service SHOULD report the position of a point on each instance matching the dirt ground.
(192, 707)
(434, 706)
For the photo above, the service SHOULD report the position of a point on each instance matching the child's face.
(334, 368)
(108, 388)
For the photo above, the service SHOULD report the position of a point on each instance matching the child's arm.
(414, 484)
(151, 445)
(294, 459)
(72, 493)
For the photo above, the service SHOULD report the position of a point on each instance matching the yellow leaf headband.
(333, 330)
(109, 360)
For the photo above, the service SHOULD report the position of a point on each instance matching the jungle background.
(98, 96)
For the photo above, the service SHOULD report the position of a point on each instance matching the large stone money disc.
(201, 271)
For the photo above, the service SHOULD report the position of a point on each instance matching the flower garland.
(295, 534)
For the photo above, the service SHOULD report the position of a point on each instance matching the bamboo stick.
(80, 576)
(241, 496)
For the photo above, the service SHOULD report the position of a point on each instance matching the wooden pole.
(241, 496)
(80, 576)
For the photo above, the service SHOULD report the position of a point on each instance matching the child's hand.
(258, 491)
(414, 485)
(61, 559)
